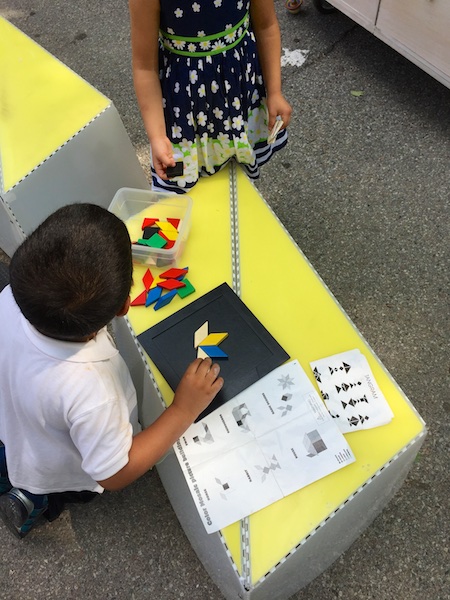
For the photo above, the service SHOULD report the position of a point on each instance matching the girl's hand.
(278, 105)
(197, 388)
(162, 156)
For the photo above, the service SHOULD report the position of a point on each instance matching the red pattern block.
(171, 284)
(148, 279)
(173, 273)
(148, 222)
(140, 300)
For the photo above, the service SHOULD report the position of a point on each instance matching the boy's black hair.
(73, 274)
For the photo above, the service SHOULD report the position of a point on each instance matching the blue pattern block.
(165, 299)
(214, 352)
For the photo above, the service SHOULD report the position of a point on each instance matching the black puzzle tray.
(252, 351)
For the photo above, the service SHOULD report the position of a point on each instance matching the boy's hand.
(162, 156)
(197, 388)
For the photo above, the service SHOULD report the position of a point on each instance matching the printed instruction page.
(350, 391)
(272, 439)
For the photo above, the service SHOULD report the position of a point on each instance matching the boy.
(68, 415)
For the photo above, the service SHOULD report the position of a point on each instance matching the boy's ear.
(123, 311)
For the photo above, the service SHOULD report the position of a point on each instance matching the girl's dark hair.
(73, 274)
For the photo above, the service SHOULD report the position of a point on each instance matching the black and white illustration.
(267, 469)
(206, 438)
(240, 414)
(350, 392)
(314, 443)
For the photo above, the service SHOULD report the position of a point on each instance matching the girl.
(207, 77)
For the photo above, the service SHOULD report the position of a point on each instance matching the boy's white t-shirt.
(68, 410)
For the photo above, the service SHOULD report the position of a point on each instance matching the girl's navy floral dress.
(213, 90)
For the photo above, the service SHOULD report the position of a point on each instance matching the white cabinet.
(418, 29)
(363, 12)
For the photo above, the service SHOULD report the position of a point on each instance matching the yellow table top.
(284, 292)
(42, 104)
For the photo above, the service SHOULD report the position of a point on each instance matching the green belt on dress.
(206, 45)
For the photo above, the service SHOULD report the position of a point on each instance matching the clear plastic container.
(134, 205)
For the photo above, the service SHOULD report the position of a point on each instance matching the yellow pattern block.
(171, 234)
(213, 339)
(157, 280)
(166, 226)
(42, 104)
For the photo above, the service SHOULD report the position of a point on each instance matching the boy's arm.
(144, 19)
(268, 40)
(198, 387)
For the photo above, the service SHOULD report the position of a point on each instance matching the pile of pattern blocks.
(160, 290)
(158, 233)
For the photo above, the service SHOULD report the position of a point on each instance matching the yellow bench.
(278, 550)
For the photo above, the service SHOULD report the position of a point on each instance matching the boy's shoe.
(293, 6)
(19, 513)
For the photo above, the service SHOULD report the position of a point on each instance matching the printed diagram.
(314, 444)
(343, 367)
(240, 413)
(207, 438)
(344, 387)
(286, 382)
(224, 487)
(266, 469)
(354, 402)
(359, 420)
(267, 442)
(287, 407)
(350, 392)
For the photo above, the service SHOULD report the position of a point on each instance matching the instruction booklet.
(267, 442)
(350, 391)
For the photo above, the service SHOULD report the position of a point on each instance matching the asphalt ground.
(363, 187)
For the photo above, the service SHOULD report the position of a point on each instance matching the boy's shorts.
(57, 502)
